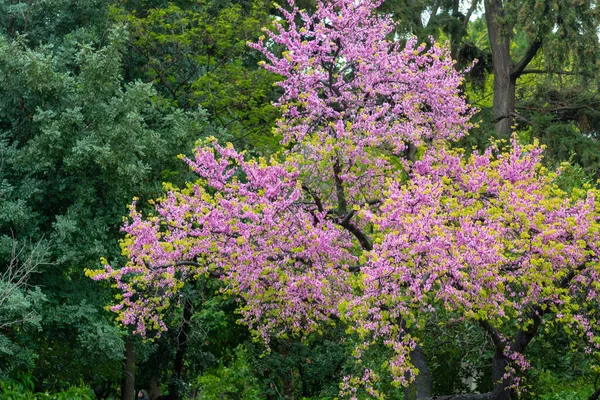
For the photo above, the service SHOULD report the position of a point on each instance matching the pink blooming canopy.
(369, 218)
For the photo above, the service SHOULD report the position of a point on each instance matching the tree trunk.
(154, 384)
(500, 36)
(128, 376)
(502, 384)
(182, 345)
(421, 388)
(506, 71)
(501, 390)
(287, 384)
(595, 395)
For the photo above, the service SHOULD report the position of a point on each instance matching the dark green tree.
(77, 144)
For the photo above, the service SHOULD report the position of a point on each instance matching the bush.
(14, 390)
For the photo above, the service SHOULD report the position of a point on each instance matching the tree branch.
(529, 54)
(339, 189)
(470, 396)
(556, 109)
(316, 198)
(493, 333)
(359, 235)
(470, 12)
(522, 118)
(524, 337)
(212, 274)
(352, 212)
(557, 72)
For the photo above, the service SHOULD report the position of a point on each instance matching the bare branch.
(470, 12)
(24, 261)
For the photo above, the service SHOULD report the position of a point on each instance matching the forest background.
(97, 100)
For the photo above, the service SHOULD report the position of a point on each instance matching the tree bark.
(595, 395)
(288, 387)
(506, 71)
(502, 384)
(128, 376)
(500, 36)
(421, 388)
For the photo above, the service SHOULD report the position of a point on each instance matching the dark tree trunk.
(270, 395)
(421, 388)
(595, 395)
(154, 384)
(502, 385)
(128, 376)
(287, 384)
(11, 23)
(182, 345)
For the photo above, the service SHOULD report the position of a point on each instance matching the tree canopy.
(372, 199)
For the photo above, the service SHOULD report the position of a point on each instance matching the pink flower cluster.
(245, 222)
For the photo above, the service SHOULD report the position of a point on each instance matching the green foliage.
(76, 144)
(558, 371)
(552, 386)
(212, 335)
(233, 381)
(309, 369)
(198, 56)
(19, 312)
(49, 21)
(19, 305)
(566, 119)
(78, 344)
(458, 356)
(13, 390)
(96, 103)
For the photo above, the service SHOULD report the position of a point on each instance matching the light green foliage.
(198, 56)
(235, 381)
(14, 390)
(551, 386)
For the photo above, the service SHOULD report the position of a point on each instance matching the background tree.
(76, 144)
(198, 55)
(564, 33)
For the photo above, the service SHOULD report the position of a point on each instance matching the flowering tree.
(491, 239)
(368, 218)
